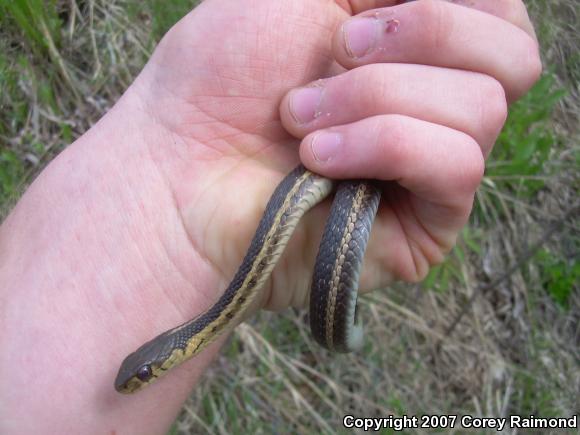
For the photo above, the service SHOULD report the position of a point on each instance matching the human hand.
(421, 110)
(420, 107)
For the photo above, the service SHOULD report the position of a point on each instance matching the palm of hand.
(214, 89)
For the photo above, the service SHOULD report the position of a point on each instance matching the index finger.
(513, 11)
(442, 34)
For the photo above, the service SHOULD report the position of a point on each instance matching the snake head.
(144, 366)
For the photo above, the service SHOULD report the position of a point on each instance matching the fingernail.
(304, 103)
(360, 36)
(325, 145)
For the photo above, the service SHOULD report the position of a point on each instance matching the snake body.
(333, 317)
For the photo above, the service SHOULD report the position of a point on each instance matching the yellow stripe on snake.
(333, 317)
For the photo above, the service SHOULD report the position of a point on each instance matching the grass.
(525, 144)
(515, 351)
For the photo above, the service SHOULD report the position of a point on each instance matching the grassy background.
(476, 337)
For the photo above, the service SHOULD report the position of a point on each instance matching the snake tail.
(334, 319)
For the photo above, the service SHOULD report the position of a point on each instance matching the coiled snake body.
(333, 318)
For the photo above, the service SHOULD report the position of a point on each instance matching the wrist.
(97, 250)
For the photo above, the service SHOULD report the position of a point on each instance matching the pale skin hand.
(140, 224)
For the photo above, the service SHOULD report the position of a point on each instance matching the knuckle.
(473, 166)
(509, 10)
(514, 12)
(529, 67)
(493, 109)
(533, 61)
(437, 24)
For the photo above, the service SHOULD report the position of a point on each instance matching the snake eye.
(144, 373)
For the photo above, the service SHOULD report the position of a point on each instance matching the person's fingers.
(470, 102)
(437, 164)
(513, 11)
(441, 34)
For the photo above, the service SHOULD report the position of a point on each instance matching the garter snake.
(333, 318)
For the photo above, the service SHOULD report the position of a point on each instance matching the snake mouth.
(127, 386)
(122, 385)
(127, 380)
